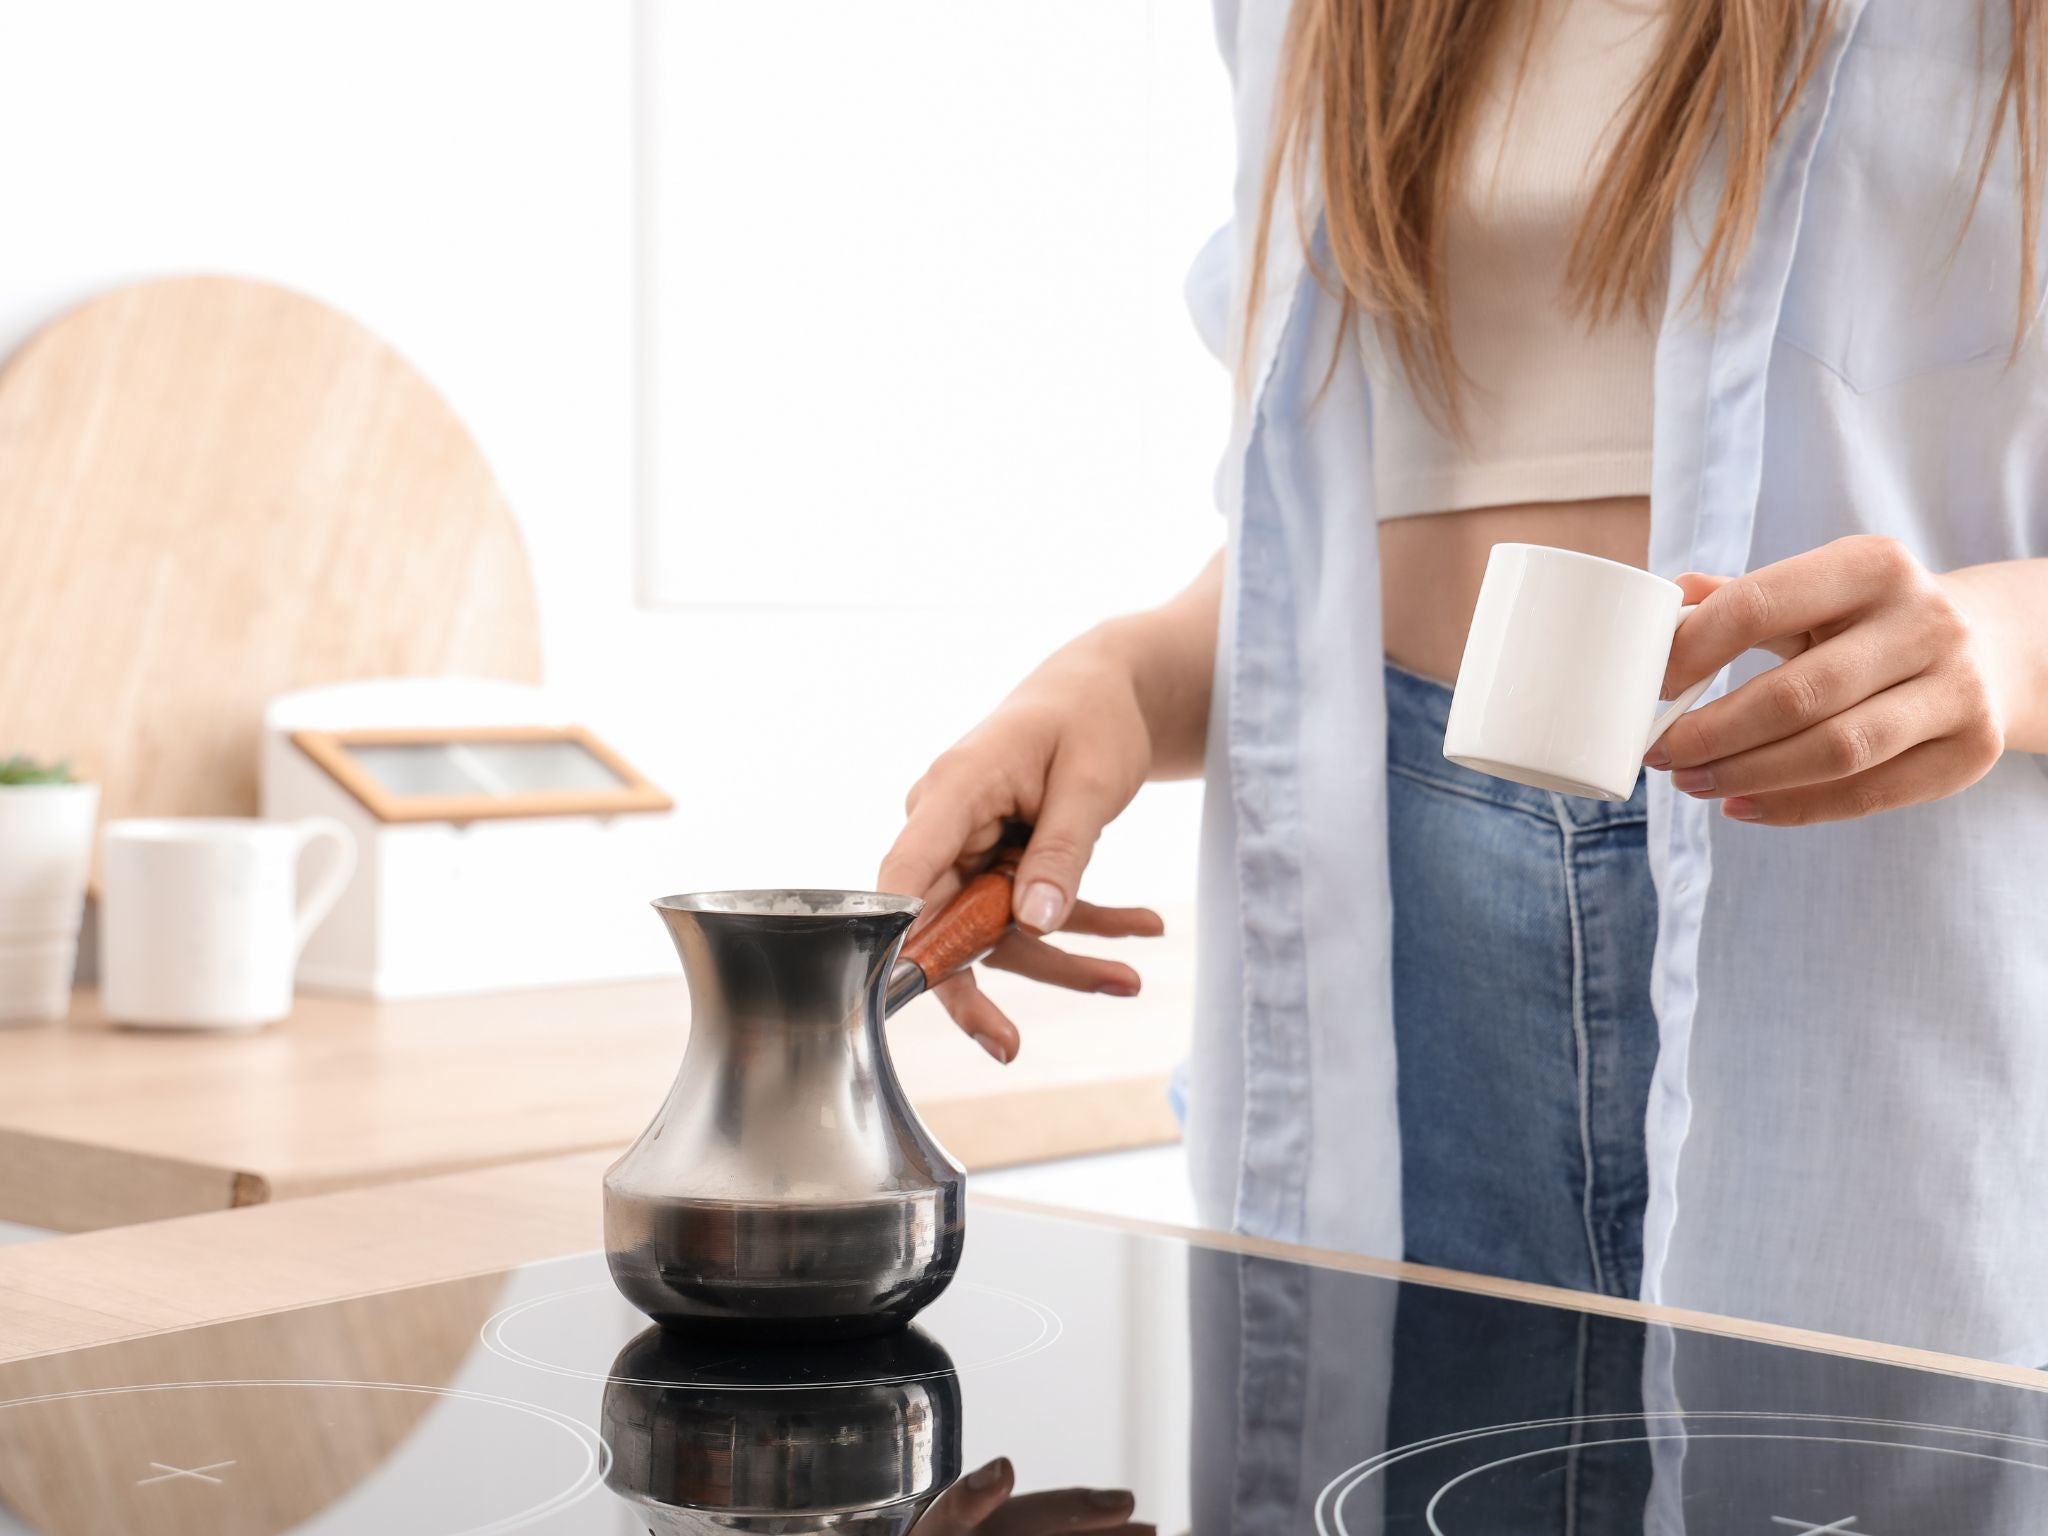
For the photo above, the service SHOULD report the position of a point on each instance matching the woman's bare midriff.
(1431, 567)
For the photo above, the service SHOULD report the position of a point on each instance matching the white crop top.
(1556, 408)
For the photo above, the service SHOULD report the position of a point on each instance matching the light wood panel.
(70, 1465)
(100, 1124)
(131, 1282)
(213, 491)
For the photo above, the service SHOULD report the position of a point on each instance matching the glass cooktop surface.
(1076, 1377)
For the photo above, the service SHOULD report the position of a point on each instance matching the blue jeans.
(1523, 927)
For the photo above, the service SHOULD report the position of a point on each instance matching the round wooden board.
(213, 491)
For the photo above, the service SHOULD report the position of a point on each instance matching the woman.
(1712, 286)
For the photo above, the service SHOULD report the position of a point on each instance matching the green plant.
(20, 769)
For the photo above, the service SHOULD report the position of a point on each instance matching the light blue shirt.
(1849, 1125)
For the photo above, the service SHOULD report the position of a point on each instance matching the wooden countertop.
(138, 1281)
(101, 1125)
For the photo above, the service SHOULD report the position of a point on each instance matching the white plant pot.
(46, 833)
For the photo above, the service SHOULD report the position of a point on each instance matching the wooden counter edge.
(79, 1186)
(75, 1186)
(125, 1282)
(1052, 1122)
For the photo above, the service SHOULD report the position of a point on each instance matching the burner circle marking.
(1329, 1505)
(1688, 1438)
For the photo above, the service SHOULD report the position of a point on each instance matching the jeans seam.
(1431, 781)
(1620, 819)
(1582, 1040)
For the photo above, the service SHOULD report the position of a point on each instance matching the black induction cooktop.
(1115, 1382)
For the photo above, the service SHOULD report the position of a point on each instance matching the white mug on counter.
(45, 857)
(1562, 667)
(201, 919)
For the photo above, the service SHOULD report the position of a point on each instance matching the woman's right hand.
(1065, 752)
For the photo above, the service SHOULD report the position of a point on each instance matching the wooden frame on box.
(336, 754)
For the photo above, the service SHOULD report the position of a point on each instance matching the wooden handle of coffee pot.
(966, 928)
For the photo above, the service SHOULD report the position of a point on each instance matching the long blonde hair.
(1378, 94)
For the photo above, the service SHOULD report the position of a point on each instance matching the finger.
(939, 833)
(1782, 600)
(1114, 922)
(937, 894)
(961, 1509)
(954, 812)
(986, 1024)
(1787, 699)
(1925, 772)
(1082, 794)
(1062, 1509)
(974, 852)
(1859, 738)
(1698, 587)
(1024, 955)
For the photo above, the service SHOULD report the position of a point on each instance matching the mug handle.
(327, 889)
(1687, 697)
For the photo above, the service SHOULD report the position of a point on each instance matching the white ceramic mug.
(201, 919)
(1563, 664)
(45, 856)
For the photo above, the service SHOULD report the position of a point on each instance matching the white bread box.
(500, 844)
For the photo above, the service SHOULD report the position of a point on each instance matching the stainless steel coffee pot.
(787, 1187)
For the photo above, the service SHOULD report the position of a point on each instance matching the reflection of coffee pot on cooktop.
(860, 1437)
(853, 1437)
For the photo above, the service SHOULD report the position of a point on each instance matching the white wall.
(955, 270)
(460, 176)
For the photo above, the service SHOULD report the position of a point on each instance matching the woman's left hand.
(1887, 695)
